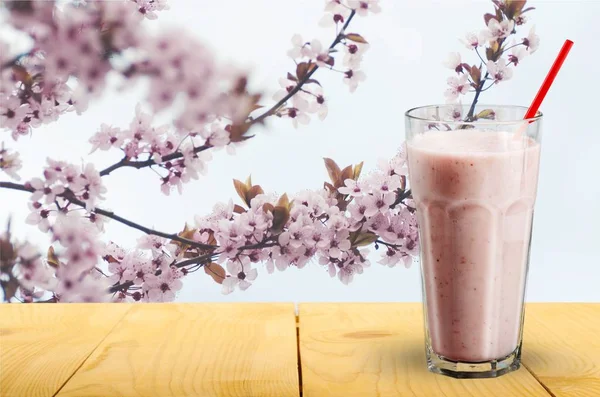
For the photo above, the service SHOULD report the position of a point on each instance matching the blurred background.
(409, 41)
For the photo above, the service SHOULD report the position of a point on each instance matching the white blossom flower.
(458, 86)
(499, 71)
(517, 54)
(532, 41)
(10, 163)
(363, 7)
(241, 275)
(353, 77)
(454, 62)
(299, 48)
(498, 30)
(472, 40)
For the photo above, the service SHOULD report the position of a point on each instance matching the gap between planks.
(298, 352)
(91, 352)
(538, 379)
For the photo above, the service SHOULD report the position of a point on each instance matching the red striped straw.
(560, 59)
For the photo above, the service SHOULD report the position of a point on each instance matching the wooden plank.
(562, 347)
(195, 350)
(42, 345)
(378, 350)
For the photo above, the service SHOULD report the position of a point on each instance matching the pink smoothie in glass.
(474, 191)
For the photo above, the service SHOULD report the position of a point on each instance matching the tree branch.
(68, 195)
(196, 260)
(401, 197)
(125, 162)
(478, 92)
(390, 245)
(306, 77)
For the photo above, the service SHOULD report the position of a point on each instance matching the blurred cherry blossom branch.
(313, 68)
(71, 199)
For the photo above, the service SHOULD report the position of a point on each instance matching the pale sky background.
(409, 41)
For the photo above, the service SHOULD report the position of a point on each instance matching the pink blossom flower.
(98, 220)
(80, 240)
(54, 171)
(11, 112)
(10, 163)
(472, 40)
(320, 54)
(31, 270)
(299, 49)
(215, 135)
(363, 7)
(454, 62)
(319, 105)
(458, 86)
(351, 187)
(517, 55)
(336, 13)
(499, 71)
(353, 77)
(532, 41)
(378, 203)
(138, 268)
(92, 185)
(42, 189)
(148, 8)
(392, 257)
(38, 216)
(353, 55)
(106, 138)
(81, 288)
(162, 288)
(454, 111)
(296, 235)
(346, 273)
(339, 244)
(358, 208)
(151, 242)
(399, 162)
(377, 223)
(498, 30)
(241, 274)
(298, 116)
(286, 87)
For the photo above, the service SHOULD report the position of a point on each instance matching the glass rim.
(538, 116)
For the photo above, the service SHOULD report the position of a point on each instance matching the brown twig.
(306, 77)
(401, 197)
(125, 162)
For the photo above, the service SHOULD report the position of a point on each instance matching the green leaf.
(357, 170)
(486, 114)
(364, 239)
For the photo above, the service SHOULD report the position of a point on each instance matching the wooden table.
(247, 350)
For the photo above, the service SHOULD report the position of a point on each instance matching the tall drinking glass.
(474, 185)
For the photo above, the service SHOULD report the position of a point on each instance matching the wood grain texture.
(203, 350)
(42, 345)
(562, 347)
(378, 350)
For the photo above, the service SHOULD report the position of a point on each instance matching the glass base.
(466, 370)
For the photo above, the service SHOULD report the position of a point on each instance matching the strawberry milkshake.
(474, 191)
